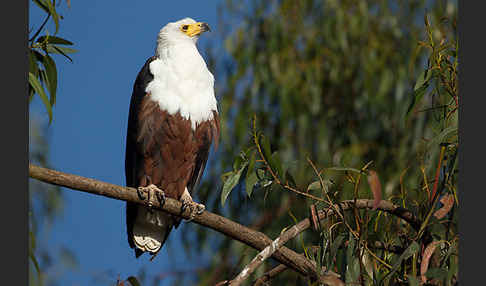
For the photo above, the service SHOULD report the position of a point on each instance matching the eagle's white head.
(185, 30)
(182, 82)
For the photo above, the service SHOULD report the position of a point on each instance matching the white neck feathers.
(182, 82)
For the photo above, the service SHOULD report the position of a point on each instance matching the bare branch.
(218, 223)
(221, 224)
(270, 274)
(264, 254)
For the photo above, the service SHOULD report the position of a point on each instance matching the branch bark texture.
(218, 223)
(221, 224)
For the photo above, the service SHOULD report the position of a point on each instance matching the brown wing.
(143, 78)
(206, 133)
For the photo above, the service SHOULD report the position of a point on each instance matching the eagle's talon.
(183, 206)
(194, 208)
(200, 209)
(160, 197)
(140, 191)
(151, 189)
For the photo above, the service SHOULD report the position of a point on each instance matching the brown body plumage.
(164, 150)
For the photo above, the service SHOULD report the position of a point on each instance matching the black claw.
(200, 210)
(140, 194)
(183, 206)
(161, 198)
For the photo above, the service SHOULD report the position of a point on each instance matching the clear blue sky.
(87, 136)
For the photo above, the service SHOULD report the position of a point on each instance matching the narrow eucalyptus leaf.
(251, 180)
(35, 83)
(53, 12)
(54, 40)
(133, 281)
(230, 183)
(41, 5)
(51, 72)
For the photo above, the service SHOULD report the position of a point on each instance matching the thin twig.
(264, 254)
(270, 274)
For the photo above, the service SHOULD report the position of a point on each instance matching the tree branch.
(263, 255)
(270, 274)
(221, 224)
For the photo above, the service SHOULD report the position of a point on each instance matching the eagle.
(172, 123)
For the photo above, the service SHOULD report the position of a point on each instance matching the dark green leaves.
(231, 181)
(51, 77)
(251, 177)
(36, 85)
(53, 49)
(133, 281)
(344, 169)
(422, 79)
(52, 12)
(43, 78)
(411, 250)
(54, 40)
(44, 81)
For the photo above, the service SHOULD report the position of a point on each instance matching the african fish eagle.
(172, 122)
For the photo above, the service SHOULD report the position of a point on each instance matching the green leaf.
(314, 186)
(276, 165)
(54, 40)
(36, 264)
(34, 82)
(344, 169)
(436, 273)
(33, 67)
(32, 240)
(417, 97)
(133, 281)
(290, 179)
(251, 163)
(412, 280)
(452, 269)
(230, 183)
(53, 49)
(238, 161)
(266, 147)
(52, 11)
(42, 5)
(411, 250)
(422, 79)
(442, 136)
(51, 80)
(334, 248)
(225, 176)
(251, 180)
(352, 271)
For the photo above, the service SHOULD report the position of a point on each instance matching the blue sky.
(87, 136)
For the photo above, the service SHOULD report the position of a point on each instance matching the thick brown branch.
(221, 224)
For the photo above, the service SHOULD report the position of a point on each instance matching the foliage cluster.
(362, 87)
(45, 201)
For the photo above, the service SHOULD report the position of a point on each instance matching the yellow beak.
(195, 29)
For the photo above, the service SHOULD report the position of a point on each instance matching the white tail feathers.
(151, 229)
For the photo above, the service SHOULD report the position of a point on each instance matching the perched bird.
(172, 122)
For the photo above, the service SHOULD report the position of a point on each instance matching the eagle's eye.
(185, 27)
